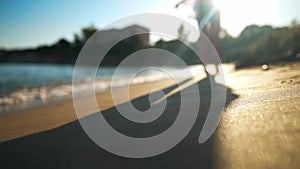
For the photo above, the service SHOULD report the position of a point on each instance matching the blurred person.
(208, 19)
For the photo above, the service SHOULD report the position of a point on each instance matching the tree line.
(262, 44)
(255, 45)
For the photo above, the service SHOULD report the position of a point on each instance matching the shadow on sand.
(69, 147)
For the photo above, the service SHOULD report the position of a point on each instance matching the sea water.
(25, 85)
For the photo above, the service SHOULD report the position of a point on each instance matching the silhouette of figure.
(208, 18)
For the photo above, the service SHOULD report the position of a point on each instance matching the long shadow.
(69, 147)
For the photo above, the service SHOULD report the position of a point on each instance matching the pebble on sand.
(264, 67)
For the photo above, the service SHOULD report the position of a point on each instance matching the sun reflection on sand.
(259, 129)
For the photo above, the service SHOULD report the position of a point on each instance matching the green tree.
(87, 32)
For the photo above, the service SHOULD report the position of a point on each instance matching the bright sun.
(236, 14)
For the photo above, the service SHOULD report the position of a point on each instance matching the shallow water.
(23, 85)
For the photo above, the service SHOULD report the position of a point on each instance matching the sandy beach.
(259, 128)
(54, 115)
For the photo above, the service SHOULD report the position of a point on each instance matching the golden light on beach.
(170, 84)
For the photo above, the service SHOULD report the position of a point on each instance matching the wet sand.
(51, 116)
(259, 128)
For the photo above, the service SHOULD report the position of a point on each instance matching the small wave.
(35, 96)
(28, 97)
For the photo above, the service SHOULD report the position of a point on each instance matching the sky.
(26, 24)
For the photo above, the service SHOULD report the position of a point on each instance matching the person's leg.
(205, 70)
(217, 68)
(214, 37)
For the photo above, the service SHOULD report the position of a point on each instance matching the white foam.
(24, 98)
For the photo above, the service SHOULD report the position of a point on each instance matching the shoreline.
(19, 97)
(40, 118)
